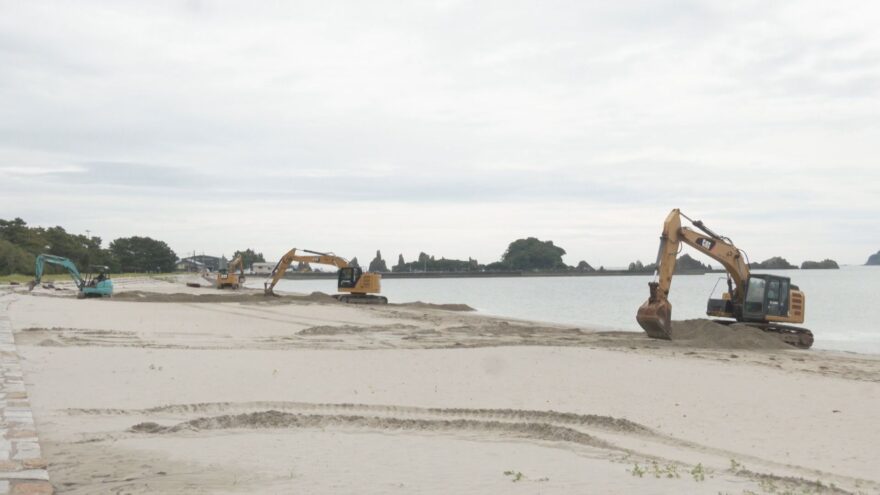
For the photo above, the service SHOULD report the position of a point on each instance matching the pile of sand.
(445, 307)
(179, 297)
(708, 334)
(352, 329)
(241, 297)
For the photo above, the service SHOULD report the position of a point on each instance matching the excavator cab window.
(755, 296)
(349, 276)
(767, 295)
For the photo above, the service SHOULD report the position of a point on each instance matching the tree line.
(20, 244)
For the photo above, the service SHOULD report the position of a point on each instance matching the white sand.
(244, 404)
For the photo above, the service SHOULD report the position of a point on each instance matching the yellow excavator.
(355, 285)
(228, 277)
(764, 301)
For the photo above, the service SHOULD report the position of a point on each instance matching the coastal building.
(202, 261)
(260, 268)
(189, 265)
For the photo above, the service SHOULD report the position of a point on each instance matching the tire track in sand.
(616, 438)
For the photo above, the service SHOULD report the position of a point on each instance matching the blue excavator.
(97, 285)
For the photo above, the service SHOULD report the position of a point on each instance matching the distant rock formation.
(400, 266)
(583, 266)
(774, 263)
(378, 264)
(874, 259)
(687, 264)
(820, 265)
(684, 264)
(638, 267)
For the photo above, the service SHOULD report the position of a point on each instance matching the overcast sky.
(451, 127)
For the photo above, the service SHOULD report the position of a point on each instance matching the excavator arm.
(655, 315)
(292, 256)
(236, 265)
(51, 259)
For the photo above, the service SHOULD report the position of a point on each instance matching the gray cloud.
(542, 112)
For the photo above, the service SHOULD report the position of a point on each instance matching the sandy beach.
(172, 389)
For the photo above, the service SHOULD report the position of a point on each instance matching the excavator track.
(360, 299)
(793, 336)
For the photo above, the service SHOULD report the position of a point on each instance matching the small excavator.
(764, 301)
(357, 286)
(98, 285)
(227, 277)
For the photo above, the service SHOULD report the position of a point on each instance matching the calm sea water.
(842, 309)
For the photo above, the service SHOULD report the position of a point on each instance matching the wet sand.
(172, 389)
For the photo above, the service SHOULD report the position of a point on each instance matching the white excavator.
(764, 301)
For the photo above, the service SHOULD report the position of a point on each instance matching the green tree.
(143, 254)
(533, 254)
(82, 250)
(249, 257)
(14, 259)
(354, 262)
(17, 232)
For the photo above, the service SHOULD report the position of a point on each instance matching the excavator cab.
(767, 298)
(349, 276)
(97, 283)
(766, 295)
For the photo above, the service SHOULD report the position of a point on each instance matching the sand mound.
(276, 419)
(240, 297)
(352, 329)
(316, 296)
(708, 334)
(445, 307)
(142, 296)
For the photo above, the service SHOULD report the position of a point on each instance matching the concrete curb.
(22, 467)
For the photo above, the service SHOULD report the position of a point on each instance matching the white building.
(262, 268)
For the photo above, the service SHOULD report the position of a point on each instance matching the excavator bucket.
(655, 316)
(31, 285)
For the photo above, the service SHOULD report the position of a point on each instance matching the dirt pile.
(352, 329)
(445, 307)
(708, 334)
(240, 297)
(276, 419)
(142, 296)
